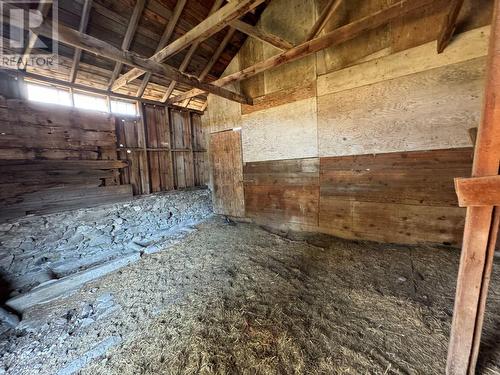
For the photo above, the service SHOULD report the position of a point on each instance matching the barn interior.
(250, 187)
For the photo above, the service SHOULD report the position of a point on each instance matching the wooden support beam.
(87, 6)
(203, 30)
(478, 191)
(103, 49)
(481, 226)
(189, 55)
(449, 25)
(335, 37)
(215, 57)
(165, 38)
(43, 8)
(324, 17)
(261, 35)
(129, 36)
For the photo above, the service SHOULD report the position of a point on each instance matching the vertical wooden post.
(480, 227)
(143, 158)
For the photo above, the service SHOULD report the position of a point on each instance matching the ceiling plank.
(87, 6)
(328, 12)
(167, 34)
(449, 25)
(203, 30)
(88, 43)
(43, 8)
(189, 55)
(261, 35)
(335, 37)
(129, 36)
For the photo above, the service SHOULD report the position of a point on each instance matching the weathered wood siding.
(54, 158)
(227, 173)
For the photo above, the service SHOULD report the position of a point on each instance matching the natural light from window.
(47, 94)
(55, 95)
(123, 107)
(96, 103)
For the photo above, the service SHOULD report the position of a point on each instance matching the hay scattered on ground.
(235, 299)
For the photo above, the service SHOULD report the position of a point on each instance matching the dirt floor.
(236, 299)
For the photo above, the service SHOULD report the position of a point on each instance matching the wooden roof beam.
(261, 35)
(335, 37)
(167, 34)
(328, 12)
(203, 30)
(449, 25)
(88, 43)
(215, 57)
(189, 55)
(129, 36)
(84, 21)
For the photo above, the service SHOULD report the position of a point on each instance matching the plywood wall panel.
(284, 132)
(277, 19)
(225, 114)
(428, 110)
(466, 46)
(348, 53)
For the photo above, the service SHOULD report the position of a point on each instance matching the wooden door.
(227, 173)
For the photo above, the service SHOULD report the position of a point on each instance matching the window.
(96, 103)
(123, 107)
(55, 95)
(48, 94)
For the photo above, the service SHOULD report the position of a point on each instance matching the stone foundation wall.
(35, 249)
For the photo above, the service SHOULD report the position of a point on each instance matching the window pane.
(123, 107)
(96, 103)
(47, 94)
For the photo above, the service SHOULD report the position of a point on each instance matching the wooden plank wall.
(360, 197)
(284, 191)
(54, 158)
(227, 173)
(166, 151)
(412, 193)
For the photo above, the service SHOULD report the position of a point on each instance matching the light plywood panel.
(348, 53)
(224, 114)
(285, 132)
(290, 20)
(428, 110)
(466, 46)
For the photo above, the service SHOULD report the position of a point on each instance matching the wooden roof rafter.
(203, 30)
(449, 25)
(189, 55)
(206, 70)
(324, 17)
(91, 44)
(165, 38)
(87, 6)
(129, 36)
